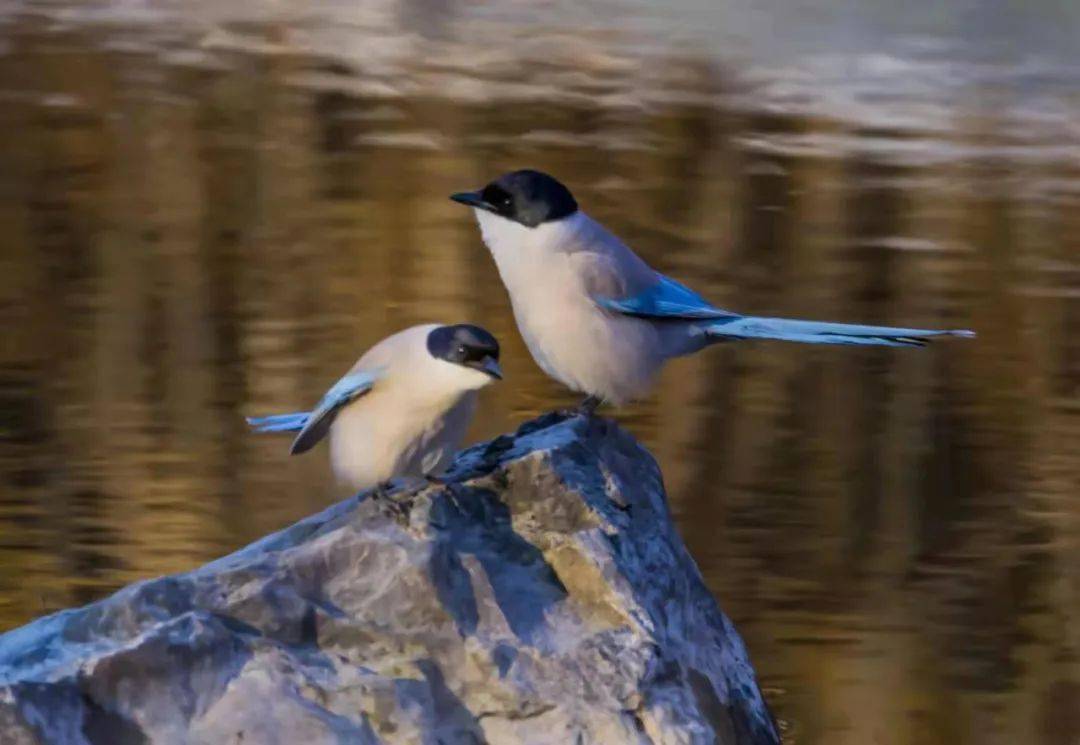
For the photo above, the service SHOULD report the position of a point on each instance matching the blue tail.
(819, 332)
(279, 422)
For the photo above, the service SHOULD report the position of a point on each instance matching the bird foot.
(380, 492)
(586, 408)
(450, 488)
(383, 493)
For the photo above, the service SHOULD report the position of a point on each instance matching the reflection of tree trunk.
(876, 212)
(278, 241)
(746, 379)
(682, 199)
(54, 158)
(33, 573)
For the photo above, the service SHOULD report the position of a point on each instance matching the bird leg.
(380, 491)
(588, 406)
(448, 487)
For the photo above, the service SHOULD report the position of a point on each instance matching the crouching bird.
(402, 409)
(600, 320)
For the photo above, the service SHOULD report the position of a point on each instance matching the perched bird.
(595, 316)
(402, 409)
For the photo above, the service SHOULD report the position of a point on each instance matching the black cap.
(527, 197)
(466, 345)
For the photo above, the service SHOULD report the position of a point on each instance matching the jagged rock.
(543, 597)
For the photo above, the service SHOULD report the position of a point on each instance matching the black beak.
(489, 366)
(472, 199)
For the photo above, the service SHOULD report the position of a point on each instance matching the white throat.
(508, 240)
(448, 379)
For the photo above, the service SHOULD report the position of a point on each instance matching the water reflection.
(207, 221)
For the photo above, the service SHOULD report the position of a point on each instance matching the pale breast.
(576, 342)
(550, 273)
(390, 435)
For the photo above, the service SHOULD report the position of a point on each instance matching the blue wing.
(666, 299)
(671, 300)
(313, 426)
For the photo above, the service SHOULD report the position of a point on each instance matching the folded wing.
(314, 425)
(667, 299)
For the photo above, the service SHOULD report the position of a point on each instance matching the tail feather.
(279, 422)
(820, 332)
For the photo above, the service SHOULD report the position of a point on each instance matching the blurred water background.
(208, 210)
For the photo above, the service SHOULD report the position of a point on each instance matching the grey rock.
(544, 596)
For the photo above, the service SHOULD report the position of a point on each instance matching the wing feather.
(667, 299)
(341, 394)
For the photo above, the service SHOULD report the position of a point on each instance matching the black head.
(527, 197)
(466, 345)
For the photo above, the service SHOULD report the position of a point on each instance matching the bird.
(596, 317)
(402, 409)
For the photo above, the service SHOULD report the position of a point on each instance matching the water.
(209, 213)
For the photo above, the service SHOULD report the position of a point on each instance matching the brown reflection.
(188, 240)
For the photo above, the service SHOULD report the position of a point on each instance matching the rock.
(543, 597)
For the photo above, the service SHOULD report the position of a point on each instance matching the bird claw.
(378, 493)
(589, 405)
(587, 408)
(450, 488)
(382, 493)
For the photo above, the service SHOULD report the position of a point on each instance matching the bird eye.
(498, 197)
(461, 350)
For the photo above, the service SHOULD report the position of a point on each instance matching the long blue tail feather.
(279, 422)
(820, 332)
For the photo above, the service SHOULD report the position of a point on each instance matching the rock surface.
(543, 597)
